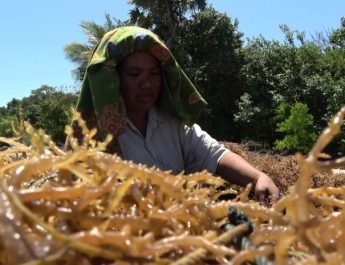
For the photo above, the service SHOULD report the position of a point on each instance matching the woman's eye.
(134, 74)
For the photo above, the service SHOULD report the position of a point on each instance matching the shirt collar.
(154, 118)
(154, 115)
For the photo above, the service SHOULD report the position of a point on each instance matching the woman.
(135, 90)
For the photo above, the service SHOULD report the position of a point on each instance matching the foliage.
(337, 37)
(209, 50)
(297, 127)
(54, 114)
(163, 17)
(251, 89)
(80, 53)
(297, 70)
(46, 107)
(6, 125)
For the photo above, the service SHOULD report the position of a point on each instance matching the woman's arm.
(237, 170)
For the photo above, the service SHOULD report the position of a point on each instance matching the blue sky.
(33, 33)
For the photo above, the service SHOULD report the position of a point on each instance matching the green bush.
(6, 125)
(298, 128)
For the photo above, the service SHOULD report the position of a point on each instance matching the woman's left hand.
(265, 189)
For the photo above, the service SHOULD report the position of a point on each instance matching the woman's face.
(141, 80)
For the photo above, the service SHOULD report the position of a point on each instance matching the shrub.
(298, 128)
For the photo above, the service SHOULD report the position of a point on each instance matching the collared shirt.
(169, 144)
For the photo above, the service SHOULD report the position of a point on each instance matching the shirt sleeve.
(200, 150)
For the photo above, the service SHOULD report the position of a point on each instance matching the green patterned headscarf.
(100, 101)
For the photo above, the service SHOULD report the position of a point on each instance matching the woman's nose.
(146, 81)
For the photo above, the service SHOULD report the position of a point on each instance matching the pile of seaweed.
(85, 206)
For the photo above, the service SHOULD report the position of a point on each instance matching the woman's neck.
(139, 120)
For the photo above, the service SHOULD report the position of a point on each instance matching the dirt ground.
(284, 169)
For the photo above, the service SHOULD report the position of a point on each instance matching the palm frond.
(134, 15)
(93, 31)
(145, 4)
(77, 52)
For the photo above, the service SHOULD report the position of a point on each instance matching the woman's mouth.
(145, 98)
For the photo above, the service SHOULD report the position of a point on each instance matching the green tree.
(163, 17)
(337, 37)
(264, 71)
(13, 107)
(210, 52)
(80, 53)
(298, 128)
(46, 107)
(287, 72)
(54, 115)
(6, 128)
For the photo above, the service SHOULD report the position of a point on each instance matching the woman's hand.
(235, 169)
(265, 189)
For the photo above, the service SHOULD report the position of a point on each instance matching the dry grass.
(284, 169)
